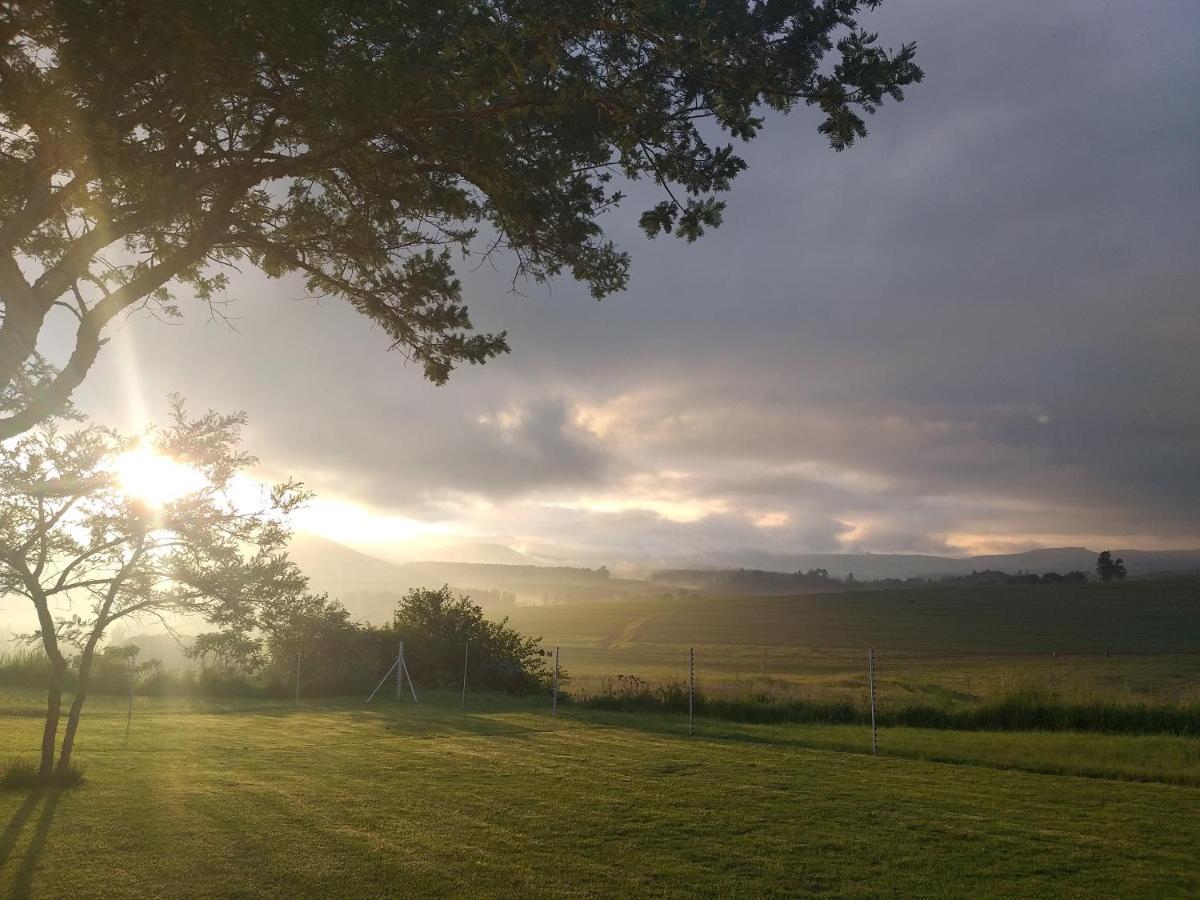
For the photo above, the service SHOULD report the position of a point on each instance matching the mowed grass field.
(339, 799)
(1137, 641)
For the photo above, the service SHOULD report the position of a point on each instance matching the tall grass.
(31, 668)
(1023, 709)
(24, 668)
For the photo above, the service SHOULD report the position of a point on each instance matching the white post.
(297, 676)
(383, 680)
(871, 678)
(691, 686)
(408, 675)
(129, 714)
(400, 671)
(554, 696)
(466, 657)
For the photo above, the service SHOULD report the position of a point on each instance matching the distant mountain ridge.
(868, 566)
(370, 586)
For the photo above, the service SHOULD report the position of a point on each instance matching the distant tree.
(149, 148)
(1025, 578)
(88, 555)
(1107, 568)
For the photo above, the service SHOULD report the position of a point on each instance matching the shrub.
(22, 774)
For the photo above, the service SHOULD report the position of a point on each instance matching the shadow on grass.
(48, 798)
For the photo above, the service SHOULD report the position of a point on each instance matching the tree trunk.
(58, 674)
(68, 744)
(50, 732)
(85, 676)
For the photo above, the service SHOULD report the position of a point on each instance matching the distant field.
(1137, 641)
(339, 799)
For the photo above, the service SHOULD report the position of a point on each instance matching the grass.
(1029, 709)
(234, 798)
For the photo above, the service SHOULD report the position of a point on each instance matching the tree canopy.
(146, 150)
(88, 553)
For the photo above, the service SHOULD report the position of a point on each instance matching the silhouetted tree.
(150, 147)
(1107, 568)
(87, 555)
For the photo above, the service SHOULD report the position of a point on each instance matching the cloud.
(977, 326)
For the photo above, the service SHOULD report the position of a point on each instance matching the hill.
(371, 587)
(869, 566)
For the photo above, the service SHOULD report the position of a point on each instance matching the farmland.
(1137, 641)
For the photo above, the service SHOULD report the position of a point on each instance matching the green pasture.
(341, 799)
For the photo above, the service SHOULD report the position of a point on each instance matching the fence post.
(466, 656)
(554, 700)
(407, 674)
(129, 714)
(691, 686)
(400, 671)
(871, 678)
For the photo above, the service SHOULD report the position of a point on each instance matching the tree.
(146, 149)
(1107, 568)
(272, 635)
(435, 625)
(74, 536)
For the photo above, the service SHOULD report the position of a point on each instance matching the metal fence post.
(871, 678)
(554, 700)
(400, 670)
(466, 657)
(129, 714)
(691, 687)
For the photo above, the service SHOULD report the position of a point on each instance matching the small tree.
(1107, 568)
(74, 536)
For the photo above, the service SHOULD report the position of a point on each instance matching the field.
(335, 798)
(1131, 642)
(503, 800)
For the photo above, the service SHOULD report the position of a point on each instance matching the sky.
(975, 331)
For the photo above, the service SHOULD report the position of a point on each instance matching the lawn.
(253, 799)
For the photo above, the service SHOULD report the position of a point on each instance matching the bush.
(436, 626)
(22, 774)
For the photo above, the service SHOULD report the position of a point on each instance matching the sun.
(154, 478)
